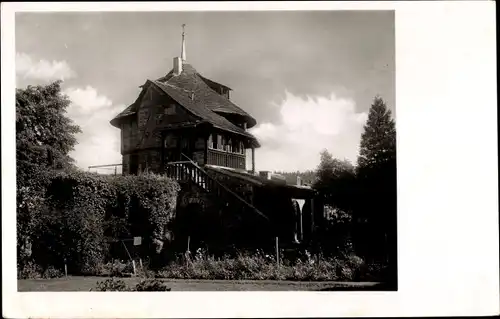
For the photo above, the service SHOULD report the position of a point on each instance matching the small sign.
(137, 241)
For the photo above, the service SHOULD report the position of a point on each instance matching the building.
(186, 126)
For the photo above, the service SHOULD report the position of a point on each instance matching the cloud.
(99, 143)
(42, 70)
(307, 126)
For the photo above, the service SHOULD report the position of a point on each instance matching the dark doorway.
(134, 164)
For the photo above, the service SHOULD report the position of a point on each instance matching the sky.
(307, 77)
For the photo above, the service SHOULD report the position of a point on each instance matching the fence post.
(277, 253)
(133, 265)
(65, 268)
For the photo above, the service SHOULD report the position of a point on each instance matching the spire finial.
(183, 48)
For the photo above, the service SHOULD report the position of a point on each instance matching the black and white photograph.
(210, 151)
(213, 147)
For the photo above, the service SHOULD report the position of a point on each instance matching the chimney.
(177, 66)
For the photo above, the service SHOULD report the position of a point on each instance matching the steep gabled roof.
(191, 90)
(191, 80)
(195, 106)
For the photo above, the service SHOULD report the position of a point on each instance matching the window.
(242, 148)
(158, 119)
(170, 109)
(184, 143)
(229, 146)
(220, 142)
(210, 141)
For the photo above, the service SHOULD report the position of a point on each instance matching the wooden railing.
(226, 159)
(189, 170)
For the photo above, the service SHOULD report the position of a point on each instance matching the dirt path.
(86, 283)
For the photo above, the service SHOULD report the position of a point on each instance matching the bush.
(116, 268)
(29, 270)
(52, 272)
(112, 285)
(120, 285)
(151, 285)
(263, 267)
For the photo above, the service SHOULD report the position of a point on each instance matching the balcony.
(226, 159)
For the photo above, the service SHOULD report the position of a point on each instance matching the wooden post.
(253, 160)
(312, 217)
(205, 150)
(301, 226)
(189, 239)
(65, 268)
(277, 253)
(140, 262)
(115, 170)
(133, 265)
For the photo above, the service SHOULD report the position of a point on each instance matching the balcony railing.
(226, 159)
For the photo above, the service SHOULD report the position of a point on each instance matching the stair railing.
(212, 184)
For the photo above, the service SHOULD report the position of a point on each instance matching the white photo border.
(447, 177)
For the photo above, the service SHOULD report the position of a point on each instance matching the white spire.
(183, 49)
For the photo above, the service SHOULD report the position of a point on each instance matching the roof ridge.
(176, 87)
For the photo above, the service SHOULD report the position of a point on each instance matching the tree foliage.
(335, 181)
(361, 201)
(378, 141)
(377, 185)
(44, 138)
(44, 134)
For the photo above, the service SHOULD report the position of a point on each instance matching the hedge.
(79, 215)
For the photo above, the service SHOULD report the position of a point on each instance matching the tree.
(335, 180)
(378, 141)
(44, 134)
(44, 138)
(377, 184)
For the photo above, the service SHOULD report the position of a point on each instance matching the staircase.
(185, 171)
(188, 170)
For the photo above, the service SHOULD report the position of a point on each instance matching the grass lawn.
(86, 283)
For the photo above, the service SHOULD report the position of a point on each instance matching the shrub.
(119, 285)
(29, 270)
(151, 285)
(112, 285)
(116, 268)
(262, 267)
(52, 272)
